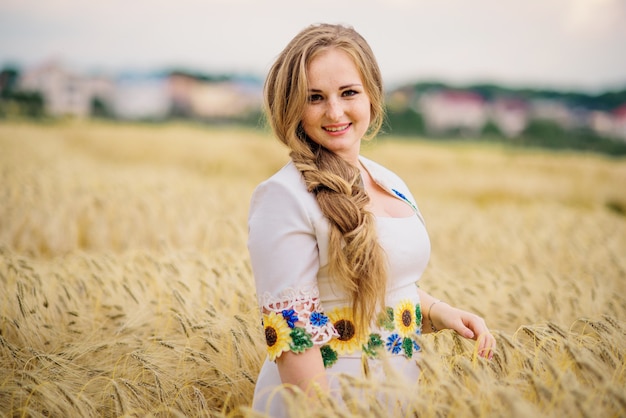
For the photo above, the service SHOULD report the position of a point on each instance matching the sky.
(565, 44)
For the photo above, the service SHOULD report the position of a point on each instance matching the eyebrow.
(347, 86)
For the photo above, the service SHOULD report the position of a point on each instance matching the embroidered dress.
(302, 307)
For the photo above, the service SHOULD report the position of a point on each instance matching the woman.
(336, 241)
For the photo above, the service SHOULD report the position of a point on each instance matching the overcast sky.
(540, 43)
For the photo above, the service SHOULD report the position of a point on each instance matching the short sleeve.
(285, 261)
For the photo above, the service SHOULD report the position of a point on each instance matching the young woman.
(336, 241)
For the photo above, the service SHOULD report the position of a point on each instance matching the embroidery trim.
(297, 322)
(300, 308)
(406, 199)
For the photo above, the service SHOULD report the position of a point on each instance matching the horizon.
(565, 45)
(155, 72)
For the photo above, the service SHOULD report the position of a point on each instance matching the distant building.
(226, 99)
(451, 110)
(181, 87)
(184, 95)
(601, 123)
(202, 98)
(142, 96)
(619, 122)
(555, 111)
(510, 115)
(64, 92)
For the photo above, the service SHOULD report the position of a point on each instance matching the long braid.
(356, 260)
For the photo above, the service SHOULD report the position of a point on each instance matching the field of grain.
(125, 286)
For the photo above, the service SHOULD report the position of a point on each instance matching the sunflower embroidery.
(404, 318)
(348, 341)
(277, 334)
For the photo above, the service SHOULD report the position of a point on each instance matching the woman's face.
(337, 113)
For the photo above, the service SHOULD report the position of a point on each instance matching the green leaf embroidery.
(385, 319)
(418, 315)
(301, 340)
(329, 356)
(373, 344)
(407, 345)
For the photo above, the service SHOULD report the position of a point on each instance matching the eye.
(315, 98)
(349, 93)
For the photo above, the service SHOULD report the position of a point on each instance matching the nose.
(334, 109)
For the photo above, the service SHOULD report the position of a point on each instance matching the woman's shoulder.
(287, 179)
(285, 189)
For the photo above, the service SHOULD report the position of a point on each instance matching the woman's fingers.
(469, 326)
(486, 342)
(486, 345)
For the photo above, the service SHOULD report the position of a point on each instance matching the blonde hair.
(356, 260)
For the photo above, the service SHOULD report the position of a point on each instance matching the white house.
(225, 99)
(64, 92)
(142, 96)
(448, 110)
(510, 115)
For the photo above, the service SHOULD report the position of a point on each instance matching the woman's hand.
(465, 324)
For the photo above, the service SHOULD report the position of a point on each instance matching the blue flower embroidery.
(394, 343)
(291, 317)
(400, 195)
(403, 197)
(319, 319)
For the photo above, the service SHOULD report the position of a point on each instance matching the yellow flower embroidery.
(348, 340)
(276, 334)
(404, 318)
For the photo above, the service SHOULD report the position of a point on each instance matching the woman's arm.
(439, 315)
(284, 256)
(303, 370)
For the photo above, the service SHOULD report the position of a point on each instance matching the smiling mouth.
(337, 128)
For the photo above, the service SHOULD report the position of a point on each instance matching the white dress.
(300, 305)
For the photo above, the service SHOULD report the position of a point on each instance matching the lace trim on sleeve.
(300, 308)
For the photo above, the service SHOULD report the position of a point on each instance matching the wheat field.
(126, 288)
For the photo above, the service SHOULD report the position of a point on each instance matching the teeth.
(342, 128)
